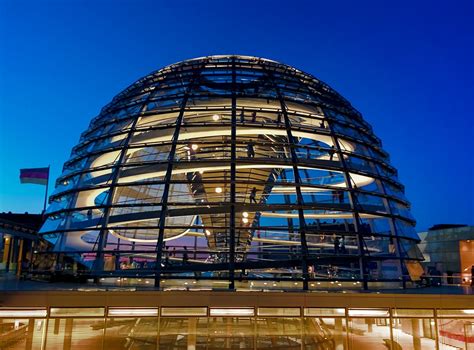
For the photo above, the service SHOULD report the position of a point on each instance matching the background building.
(449, 252)
(18, 238)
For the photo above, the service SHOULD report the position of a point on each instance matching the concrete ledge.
(234, 299)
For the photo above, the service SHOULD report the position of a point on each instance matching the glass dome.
(234, 169)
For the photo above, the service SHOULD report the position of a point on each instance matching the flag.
(37, 176)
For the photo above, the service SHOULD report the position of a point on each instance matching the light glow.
(23, 313)
(368, 313)
(133, 312)
(232, 312)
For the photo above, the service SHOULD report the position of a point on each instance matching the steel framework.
(232, 168)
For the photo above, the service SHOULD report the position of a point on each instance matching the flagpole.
(46, 193)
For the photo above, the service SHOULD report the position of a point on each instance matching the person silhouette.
(250, 150)
(253, 195)
(336, 245)
(279, 118)
(254, 117)
(331, 152)
(185, 256)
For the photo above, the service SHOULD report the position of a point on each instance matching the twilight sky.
(407, 66)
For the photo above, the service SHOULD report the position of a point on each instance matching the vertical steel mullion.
(352, 198)
(233, 157)
(299, 196)
(352, 201)
(393, 226)
(169, 171)
(99, 264)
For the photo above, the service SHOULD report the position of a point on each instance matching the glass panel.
(279, 333)
(231, 333)
(324, 333)
(21, 333)
(455, 313)
(75, 333)
(414, 333)
(368, 312)
(456, 333)
(413, 312)
(278, 311)
(22, 312)
(70, 312)
(183, 311)
(231, 312)
(133, 312)
(369, 333)
(131, 333)
(313, 311)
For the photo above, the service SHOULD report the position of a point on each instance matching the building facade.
(18, 240)
(449, 253)
(233, 170)
(64, 320)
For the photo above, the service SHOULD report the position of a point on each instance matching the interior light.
(194, 147)
(208, 233)
(469, 312)
(232, 312)
(184, 311)
(216, 117)
(218, 189)
(245, 214)
(23, 313)
(368, 313)
(245, 220)
(133, 312)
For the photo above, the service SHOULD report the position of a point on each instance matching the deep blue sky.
(406, 65)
